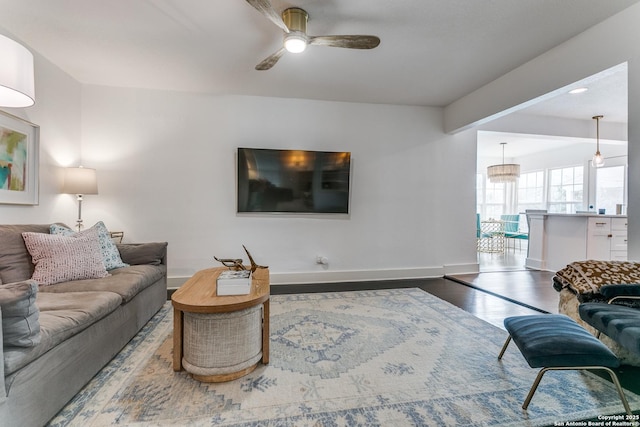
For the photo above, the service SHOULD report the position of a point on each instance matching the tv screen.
(293, 181)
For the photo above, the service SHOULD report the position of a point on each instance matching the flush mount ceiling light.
(16, 75)
(598, 160)
(505, 172)
(578, 90)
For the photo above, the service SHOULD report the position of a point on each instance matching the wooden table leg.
(265, 333)
(177, 339)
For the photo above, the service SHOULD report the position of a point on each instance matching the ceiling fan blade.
(351, 42)
(264, 7)
(271, 60)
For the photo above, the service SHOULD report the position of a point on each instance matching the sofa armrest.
(154, 253)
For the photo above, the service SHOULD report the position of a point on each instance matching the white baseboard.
(302, 278)
(534, 264)
(461, 269)
(176, 282)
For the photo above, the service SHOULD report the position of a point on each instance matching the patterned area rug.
(398, 357)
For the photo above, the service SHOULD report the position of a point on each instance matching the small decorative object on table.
(233, 282)
(236, 263)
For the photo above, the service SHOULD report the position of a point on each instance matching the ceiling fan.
(293, 22)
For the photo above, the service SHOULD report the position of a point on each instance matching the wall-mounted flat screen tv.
(293, 181)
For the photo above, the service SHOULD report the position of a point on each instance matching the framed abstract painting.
(19, 154)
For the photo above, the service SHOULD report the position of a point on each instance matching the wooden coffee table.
(217, 338)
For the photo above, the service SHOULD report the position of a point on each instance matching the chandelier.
(505, 172)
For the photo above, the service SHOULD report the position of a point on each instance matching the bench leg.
(534, 387)
(504, 347)
(613, 375)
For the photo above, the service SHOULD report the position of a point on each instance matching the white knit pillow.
(63, 258)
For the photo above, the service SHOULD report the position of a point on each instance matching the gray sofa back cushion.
(126, 282)
(143, 253)
(15, 260)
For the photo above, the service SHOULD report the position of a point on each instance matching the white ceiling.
(432, 51)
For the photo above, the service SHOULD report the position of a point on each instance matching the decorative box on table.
(232, 282)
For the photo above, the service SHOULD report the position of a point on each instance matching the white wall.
(57, 112)
(634, 159)
(602, 46)
(166, 171)
(166, 167)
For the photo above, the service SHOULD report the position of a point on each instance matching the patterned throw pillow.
(60, 258)
(20, 314)
(110, 254)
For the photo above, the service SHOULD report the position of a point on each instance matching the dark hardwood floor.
(529, 288)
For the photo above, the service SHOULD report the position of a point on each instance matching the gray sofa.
(82, 324)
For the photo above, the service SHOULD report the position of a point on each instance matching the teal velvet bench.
(557, 342)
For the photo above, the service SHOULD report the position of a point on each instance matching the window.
(494, 199)
(610, 188)
(566, 192)
(531, 191)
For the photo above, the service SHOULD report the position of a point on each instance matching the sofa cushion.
(61, 316)
(126, 282)
(110, 254)
(143, 253)
(620, 323)
(15, 260)
(622, 291)
(20, 326)
(63, 258)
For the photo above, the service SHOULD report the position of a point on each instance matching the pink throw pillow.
(63, 258)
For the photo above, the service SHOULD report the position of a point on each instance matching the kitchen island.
(556, 240)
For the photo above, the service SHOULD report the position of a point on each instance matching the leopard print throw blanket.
(585, 278)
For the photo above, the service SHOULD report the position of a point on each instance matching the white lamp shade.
(16, 75)
(80, 181)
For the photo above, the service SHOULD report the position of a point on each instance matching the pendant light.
(508, 172)
(598, 160)
(16, 75)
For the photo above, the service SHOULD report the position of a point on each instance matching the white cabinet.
(619, 239)
(607, 238)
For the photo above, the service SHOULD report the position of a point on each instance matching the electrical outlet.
(323, 260)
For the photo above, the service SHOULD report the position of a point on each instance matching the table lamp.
(80, 181)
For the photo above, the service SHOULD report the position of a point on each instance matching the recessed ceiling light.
(578, 90)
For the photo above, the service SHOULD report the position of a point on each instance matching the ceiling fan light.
(295, 43)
